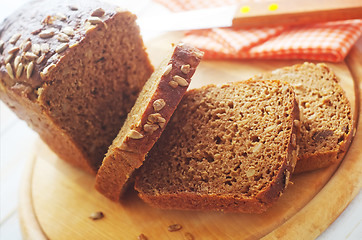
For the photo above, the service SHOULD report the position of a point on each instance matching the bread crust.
(128, 151)
(229, 202)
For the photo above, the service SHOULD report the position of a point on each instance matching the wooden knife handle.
(287, 12)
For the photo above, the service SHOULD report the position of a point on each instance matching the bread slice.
(326, 116)
(230, 147)
(147, 119)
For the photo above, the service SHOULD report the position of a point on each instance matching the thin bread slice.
(147, 119)
(326, 116)
(229, 148)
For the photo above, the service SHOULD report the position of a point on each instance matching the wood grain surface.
(57, 199)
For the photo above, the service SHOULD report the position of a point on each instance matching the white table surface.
(17, 139)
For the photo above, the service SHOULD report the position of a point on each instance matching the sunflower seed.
(13, 50)
(15, 38)
(9, 69)
(185, 68)
(250, 172)
(153, 118)
(96, 215)
(73, 7)
(36, 32)
(173, 84)
(62, 48)
(48, 20)
(8, 58)
(94, 20)
(19, 70)
(21, 46)
(99, 12)
(29, 70)
(30, 56)
(142, 237)
(44, 48)
(167, 70)
(17, 60)
(181, 81)
(174, 227)
(61, 16)
(68, 30)
(35, 48)
(158, 104)
(26, 46)
(150, 128)
(62, 37)
(134, 134)
(40, 59)
(47, 33)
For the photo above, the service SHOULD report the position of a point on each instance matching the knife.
(256, 14)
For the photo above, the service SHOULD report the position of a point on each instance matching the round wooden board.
(57, 199)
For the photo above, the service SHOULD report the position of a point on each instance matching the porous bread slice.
(326, 116)
(147, 119)
(230, 148)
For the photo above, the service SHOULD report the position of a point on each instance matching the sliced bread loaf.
(72, 73)
(230, 148)
(326, 116)
(147, 119)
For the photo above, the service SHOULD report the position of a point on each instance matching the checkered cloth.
(323, 42)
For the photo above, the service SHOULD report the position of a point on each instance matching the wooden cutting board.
(57, 199)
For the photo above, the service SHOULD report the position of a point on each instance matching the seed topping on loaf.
(134, 134)
(10, 70)
(180, 81)
(168, 69)
(73, 7)
(40, 47)
(15, 38)
(99, 12)
(154, 121)
(185, 68)
(158, 104)
(173, 84)
(62, 48)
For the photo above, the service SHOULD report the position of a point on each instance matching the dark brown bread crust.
(234, 202)
(75, 97)
(326, 115)
(127, 153)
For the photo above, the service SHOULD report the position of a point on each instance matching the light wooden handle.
(284, 12)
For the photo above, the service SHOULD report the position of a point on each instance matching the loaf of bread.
(147, 119)
(72, 72)
(230, 148)
(326, 117)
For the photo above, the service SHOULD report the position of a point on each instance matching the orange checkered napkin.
(323, 42)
